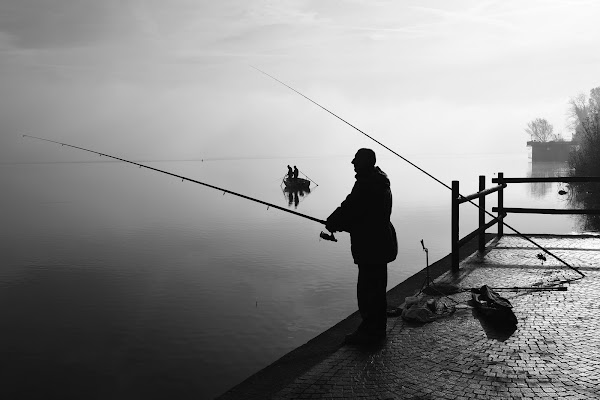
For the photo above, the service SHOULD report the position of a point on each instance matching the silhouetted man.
(290, 173)
(365, 214)
(295, 172)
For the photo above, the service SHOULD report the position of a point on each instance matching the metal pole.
(481, 214)
(501, 205)
(455, 226)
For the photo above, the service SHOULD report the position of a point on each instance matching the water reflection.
(295, 195)
(549, 169)
(577, 195)
(294, 189)
(585, 195)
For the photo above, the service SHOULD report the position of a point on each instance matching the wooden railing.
(500, 210)
(457, 200)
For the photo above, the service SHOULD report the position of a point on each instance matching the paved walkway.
(553, 354)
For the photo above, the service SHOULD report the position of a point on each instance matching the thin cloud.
(146, 22)
(63, 23)
(409, 31)
(474, 15)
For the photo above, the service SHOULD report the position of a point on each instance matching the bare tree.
(594, 101)
(540, 130)
(585, 120)
(583, 111)
(585, 160)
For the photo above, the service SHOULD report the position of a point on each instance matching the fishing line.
(309, 178)
(423, 171)
(183, 178)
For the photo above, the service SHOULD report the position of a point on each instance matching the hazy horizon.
(156, 80)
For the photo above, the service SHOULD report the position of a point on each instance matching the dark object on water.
(296, 183)
(540, 256)
(494, 308)
(562, 192)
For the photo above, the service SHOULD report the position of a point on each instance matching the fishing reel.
(327, 236)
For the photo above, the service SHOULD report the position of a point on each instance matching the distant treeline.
(585, 160)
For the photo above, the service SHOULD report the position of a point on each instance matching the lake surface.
(119, 282)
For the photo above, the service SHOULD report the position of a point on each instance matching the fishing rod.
(307, 177)
(422, 170)
(531, 288)
(183, 178)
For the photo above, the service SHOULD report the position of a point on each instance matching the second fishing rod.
(500, 220)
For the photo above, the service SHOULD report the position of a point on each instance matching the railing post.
(481, 214)
(500, 205)
(454, 226)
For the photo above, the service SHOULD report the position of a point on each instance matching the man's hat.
(366, 156)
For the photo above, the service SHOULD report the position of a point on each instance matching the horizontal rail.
(566, 179)
(476, 232)
(478, 195)
(546, 211)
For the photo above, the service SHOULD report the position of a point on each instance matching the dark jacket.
(365, 214)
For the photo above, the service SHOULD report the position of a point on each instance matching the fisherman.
(290, 173)
(365, 214)
(295, 172)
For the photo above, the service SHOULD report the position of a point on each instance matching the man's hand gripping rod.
(327, 236)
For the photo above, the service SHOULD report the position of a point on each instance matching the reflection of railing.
(457, 200)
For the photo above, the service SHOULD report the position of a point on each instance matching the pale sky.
(155, 79)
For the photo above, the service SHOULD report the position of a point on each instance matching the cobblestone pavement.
(553, 354)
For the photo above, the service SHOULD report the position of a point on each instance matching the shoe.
(353, 338)
(362, 338)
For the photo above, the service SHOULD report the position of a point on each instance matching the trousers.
(371, 294)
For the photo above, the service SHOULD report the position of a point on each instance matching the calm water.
(118, 282)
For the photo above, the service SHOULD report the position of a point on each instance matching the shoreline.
(269, 380)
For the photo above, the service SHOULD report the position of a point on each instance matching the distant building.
(551, 151)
